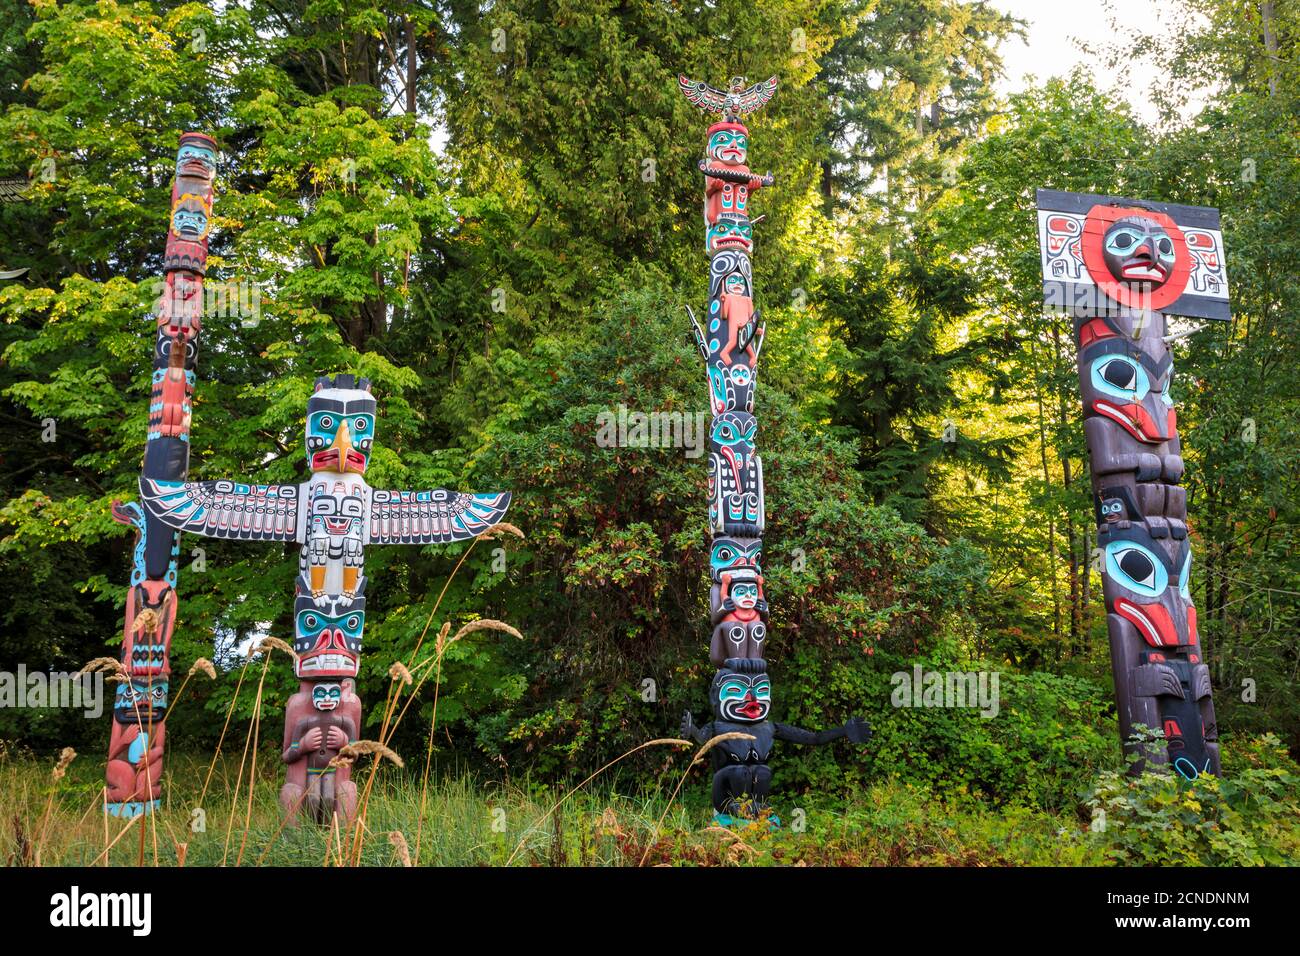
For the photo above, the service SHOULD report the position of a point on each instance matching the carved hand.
(857, 730)
(336, 739)
(312, 738)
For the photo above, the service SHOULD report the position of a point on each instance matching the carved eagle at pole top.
(737, 100)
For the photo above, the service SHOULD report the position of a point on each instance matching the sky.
(1054, 28)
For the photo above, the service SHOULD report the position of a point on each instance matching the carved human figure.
(319, 721)
(742, 700)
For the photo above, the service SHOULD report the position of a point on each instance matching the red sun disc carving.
(1100, 218)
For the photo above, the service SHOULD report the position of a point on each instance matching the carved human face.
(1112, 510)
(728, 146)
(729, 272)
(190, 218)
(1138, 250)
(731, 233)
(326, 697)
(741, 698)
(142, 702)
(196, 160)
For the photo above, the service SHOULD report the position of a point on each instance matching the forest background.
(492, 211)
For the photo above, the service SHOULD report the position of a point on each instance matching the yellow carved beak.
(343, 445)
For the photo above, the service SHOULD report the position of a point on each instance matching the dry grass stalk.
(705, 748)
(103, 664)
(657, 742)
(348, 755)
(399, 843)
(441, 642)
(712, 741)
(273, 644)
(500, 529)
(485, 624)
(204, 665)
(66, 756)
(399, 672)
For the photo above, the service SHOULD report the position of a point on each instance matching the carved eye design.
(1138, 566)
(310, 622)
(326, 421)
(736, 634)
(1120, 377)
(1119, 374)
(1123, 240)
(1135, 568)
(732, 690)
(758, 631)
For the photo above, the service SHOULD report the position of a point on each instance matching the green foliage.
(1246, 818)
(474, 229)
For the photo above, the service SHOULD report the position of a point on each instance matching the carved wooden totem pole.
(135, 753)
(333, 515)
(730, 346)
(1117, 266)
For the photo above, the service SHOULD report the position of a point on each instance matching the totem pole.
(1117, 267)
(333, 515)
(135, 753)
(741, 691)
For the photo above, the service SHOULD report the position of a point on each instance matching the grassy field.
(57, 820)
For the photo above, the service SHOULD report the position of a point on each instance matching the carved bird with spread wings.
(735, 101)
(334, 514)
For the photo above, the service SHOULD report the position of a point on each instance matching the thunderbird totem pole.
(333, 515)
(135, 752)
(741, 691)
(1117, 266)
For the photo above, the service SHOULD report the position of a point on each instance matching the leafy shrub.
(1248, 817)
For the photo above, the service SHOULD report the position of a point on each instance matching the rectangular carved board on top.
(1103, 253)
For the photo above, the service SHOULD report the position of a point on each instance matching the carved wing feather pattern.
(701, 94)
(433, 517)
(714, 100)
(756, 96)
(225, 509)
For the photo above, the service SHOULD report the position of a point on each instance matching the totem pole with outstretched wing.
(334, 516)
